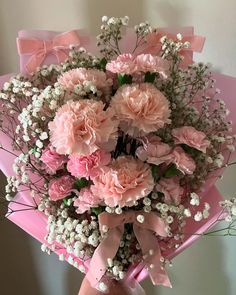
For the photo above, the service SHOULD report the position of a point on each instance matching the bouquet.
(115, 154)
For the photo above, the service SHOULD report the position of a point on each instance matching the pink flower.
(183, 161)
(141, 108)
(79, 76)
(122, 183)
(171, 189)
(86, 200)
(150, 63)
(191, 137)
(124, 64)
(154, 151)
(88, 166)
(60, 188)
(52, 160)
(82, 127)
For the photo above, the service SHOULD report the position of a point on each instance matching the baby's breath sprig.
(111, 34)
(142, 31)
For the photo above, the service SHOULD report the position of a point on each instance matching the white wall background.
(208, 267)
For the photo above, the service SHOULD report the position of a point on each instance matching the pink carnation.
(150, 63)
(60, 188)
(52, 160)
(141, 108)
(183, 161)
(124, 64)
(88, 166)
(154, 151)
(86, 200)
(191, 137)
(124, 182)
(79, 76)
(171, 189)
(82, 127)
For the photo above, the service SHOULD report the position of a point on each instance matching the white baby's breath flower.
(228, 218)
(233, 210)
(140, 218)
(6, 86)
(61, 257)
(104, 19)
(198, 216)
(102, 287)
(118, 210)
(26, 138)
(195, 201)
(187, 212)
(43, 136)
(125, 21)
(205, 214)
(179, 36)
(8, 197)
(169, 219)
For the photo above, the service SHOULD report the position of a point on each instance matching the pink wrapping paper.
(34, 222)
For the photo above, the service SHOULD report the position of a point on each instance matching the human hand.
(115, 288)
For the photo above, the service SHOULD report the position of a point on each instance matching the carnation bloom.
(61, 187)
(183, 161)
(124, 64)
(52, 160)
(150, 63)
(81, 76)
(191, 137)
(82, 127)
(88, 166)
(86, 200)
(141, 108)
(122, 183)
(171, 189)
(154, 151)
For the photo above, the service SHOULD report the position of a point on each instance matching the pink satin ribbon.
(39, 49)
(154, 44)
(144, 233)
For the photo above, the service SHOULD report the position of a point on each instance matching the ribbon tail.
(35, 61)
(107, 249)
(148, 242)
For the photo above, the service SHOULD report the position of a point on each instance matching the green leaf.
(149, 77)
(103, 63)
(171, 171)
(155, 171)
(97, 210)
(124, 79)
(190, 150)
(80, 183)
(34, 150)
(65, 201)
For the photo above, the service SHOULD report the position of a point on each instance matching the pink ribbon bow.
(112, 229)
(39, 49)
(154, 44)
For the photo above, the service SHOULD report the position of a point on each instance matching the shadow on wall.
(17, 271)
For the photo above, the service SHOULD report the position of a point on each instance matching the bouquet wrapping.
(114, 180)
